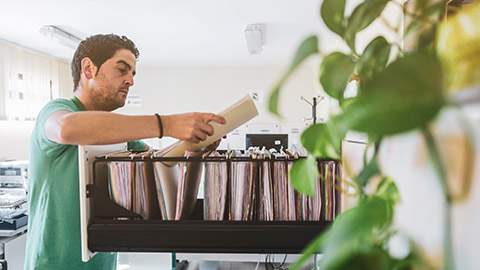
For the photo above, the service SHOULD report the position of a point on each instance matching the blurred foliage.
(303, 171)
(458, 45)
(397, 93)
(335, 71)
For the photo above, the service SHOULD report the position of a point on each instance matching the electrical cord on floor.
(258, 262)
(181, 265)
(315, 263)
(270, 263)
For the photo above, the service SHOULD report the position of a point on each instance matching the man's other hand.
(213, 146)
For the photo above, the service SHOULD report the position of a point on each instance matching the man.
(103, 68)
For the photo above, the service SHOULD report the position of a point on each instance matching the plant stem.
(442, 176)
(447, 240)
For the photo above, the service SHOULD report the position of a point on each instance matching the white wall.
(15, 139)
(170, 90)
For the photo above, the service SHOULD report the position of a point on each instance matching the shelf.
(9, 233)
(203, 236)
(112, 228)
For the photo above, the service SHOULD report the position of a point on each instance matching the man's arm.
(96, 127)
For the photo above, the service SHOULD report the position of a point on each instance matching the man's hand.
(192, 127)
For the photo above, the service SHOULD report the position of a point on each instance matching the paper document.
(215, 189)
(236, 115)
(188, 185)
(166, 181)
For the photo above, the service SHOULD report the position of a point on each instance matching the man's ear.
(88, 68)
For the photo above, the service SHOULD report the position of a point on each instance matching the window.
(28, 81)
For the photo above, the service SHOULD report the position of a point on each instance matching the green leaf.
(404, 96)
(332, 14)
(373, 258)
(368, 172)
(308, 47)
(374, 58)
(345, 103)
(353, 231)
(335, 71)
(273, 100)
(303, 175)
(387, 189)
(362, 16)
(325, 140)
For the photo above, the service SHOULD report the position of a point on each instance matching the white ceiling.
(173, 32)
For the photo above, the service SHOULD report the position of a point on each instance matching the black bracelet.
(160, 125)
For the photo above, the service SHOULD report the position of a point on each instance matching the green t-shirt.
(53, 240)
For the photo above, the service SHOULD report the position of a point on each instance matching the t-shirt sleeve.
(136, 145)
(48, 147)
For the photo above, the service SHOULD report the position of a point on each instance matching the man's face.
(112, 81)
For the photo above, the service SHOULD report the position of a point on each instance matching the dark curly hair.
(99, 48)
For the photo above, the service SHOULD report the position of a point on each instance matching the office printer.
(13, 194)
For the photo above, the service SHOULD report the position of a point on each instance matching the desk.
(9, 233)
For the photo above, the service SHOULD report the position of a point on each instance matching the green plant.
(397, 93)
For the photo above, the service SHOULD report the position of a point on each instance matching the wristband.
(160, 125)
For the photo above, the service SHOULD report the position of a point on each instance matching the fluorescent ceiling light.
(57, 34)
(254, 35)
